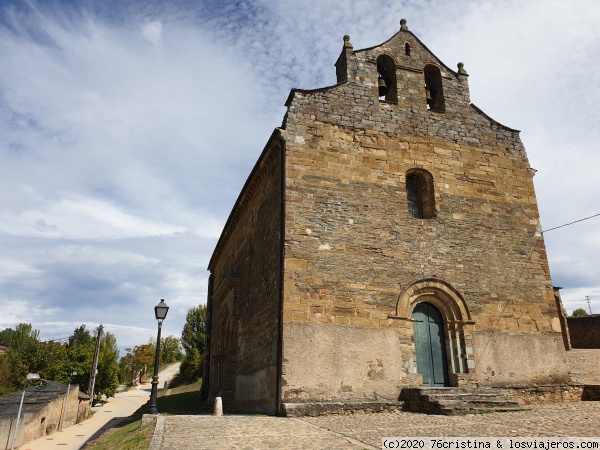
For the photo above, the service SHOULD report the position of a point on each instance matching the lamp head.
(33, 376)
(161, 310)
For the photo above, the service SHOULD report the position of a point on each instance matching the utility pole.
(588, 300)
(95, 366)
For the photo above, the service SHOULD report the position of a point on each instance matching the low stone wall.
(324, 408)
(538, 394)
(584, 331)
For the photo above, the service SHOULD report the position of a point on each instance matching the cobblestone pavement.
(364, 431)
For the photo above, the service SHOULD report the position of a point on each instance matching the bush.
(190, 370)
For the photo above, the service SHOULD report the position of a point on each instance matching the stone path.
(585, 365)
(364, 431)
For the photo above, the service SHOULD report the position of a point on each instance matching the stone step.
(325, 408)
(449, 401)
(477, 410)
(467, 396)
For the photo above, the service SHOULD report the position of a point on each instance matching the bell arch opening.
(433, 88)
(386, 79)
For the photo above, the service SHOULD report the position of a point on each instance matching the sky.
(127, 130)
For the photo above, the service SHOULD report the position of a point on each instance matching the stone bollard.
(218, 406)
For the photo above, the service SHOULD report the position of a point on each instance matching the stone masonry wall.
(245, 310)
(44, 421)
(585, 331)
(351, 247)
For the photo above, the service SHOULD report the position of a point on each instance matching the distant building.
(388, 236)
(42, 412)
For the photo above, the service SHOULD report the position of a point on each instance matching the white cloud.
(127, 131)
(153, 32)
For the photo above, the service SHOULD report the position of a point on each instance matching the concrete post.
(218, 406)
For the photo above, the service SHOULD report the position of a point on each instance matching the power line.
(91, 330)
(571, 223)
(511, 296)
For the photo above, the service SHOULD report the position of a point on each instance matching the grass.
(130, 435)
(182, 400)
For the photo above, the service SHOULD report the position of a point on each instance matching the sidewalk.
(118, 408)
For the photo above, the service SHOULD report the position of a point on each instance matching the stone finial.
(403, 26)
(347, 41)
(461, 69)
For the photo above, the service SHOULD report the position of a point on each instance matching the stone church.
(387, 237)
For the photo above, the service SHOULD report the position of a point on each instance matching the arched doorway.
(430, 344)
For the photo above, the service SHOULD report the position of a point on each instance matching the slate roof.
(36, 397)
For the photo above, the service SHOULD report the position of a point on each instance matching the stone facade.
(244, 305)
(585, 331)
(328, 249)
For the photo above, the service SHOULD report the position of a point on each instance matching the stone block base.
(538, 394)
(149, 419)
(325, 408)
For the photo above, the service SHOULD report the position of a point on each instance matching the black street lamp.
(160, 311)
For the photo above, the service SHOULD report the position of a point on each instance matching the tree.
(107, 380)
(170, 350)
(25, 353)
(53, 361)
(193, 340)
(193, 335)
(579, 312)
(144, 356)
(81, 348)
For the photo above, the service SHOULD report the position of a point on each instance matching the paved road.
(107, 416)
(364, 431)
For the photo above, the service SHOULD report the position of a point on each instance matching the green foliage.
(193, 335)
(140, 359)
(190, 370)
(579, 312)
(53, 362)
(182, 400)
(170, 350)
(81, 350)
(24, 353)
(193, 340)
(137, 361)
(107, 380)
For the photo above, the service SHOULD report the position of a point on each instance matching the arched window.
(420, 194)
(413, 194)
(433, 86)
(386, 78)
(407, 49)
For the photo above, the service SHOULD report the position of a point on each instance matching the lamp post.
(30, 376)
(62, 420)
(160, 312)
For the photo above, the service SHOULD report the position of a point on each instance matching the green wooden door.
(430, 345)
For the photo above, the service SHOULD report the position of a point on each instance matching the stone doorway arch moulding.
(458, 323)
